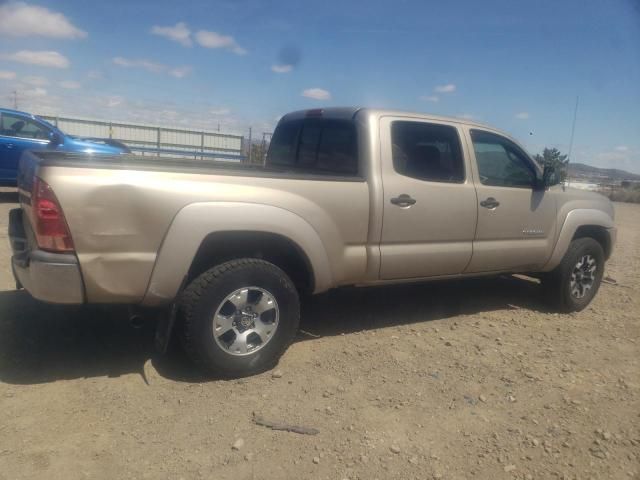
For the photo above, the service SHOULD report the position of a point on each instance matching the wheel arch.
(221, 246)
(202, 233)
(581, 223)
(599, 233)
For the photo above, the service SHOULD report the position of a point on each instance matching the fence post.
(202, 146)
(158, 142)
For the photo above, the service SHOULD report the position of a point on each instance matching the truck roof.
(349, 113)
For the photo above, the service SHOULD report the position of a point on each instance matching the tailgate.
(26, 173)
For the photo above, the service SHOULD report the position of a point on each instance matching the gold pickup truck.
(347, 196)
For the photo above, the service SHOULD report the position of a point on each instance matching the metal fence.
(156, 140)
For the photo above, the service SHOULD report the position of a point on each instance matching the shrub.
(625, 195)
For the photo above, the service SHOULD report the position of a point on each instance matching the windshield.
(49, 124)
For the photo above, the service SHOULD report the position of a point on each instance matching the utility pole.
(15, 99)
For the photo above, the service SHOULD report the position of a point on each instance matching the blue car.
(20, 131)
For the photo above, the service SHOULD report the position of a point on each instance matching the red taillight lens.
(52, 232)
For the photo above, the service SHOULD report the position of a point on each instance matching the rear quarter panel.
(119, 218)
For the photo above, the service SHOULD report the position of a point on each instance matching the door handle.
(9, 145)
(403, 200)
(490, 203)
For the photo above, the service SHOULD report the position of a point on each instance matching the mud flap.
(166, 322)
(165, 328)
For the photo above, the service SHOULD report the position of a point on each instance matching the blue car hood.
(93, 145)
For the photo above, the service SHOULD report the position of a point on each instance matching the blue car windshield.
(48, 124)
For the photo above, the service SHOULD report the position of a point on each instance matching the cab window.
(427, 151)
(20, 127)
(323, 146)
(500, 162)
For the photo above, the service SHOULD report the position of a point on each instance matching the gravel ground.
(457, 380)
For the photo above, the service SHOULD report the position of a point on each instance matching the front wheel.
(239, 317)
(574, 283)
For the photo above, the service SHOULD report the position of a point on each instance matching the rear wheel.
(239, 317)
(574, 283)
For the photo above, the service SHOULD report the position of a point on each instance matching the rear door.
(17, 134)
(516, 221)
(430, 206)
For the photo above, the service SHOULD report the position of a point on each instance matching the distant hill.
(580, 170)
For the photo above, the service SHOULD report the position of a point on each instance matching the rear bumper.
(50, 277)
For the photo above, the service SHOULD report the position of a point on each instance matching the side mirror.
(550, 176)
(55, 138)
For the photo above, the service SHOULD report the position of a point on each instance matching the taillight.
(52, 232)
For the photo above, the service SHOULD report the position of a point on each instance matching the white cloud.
(281, 68)
(18, 19)
(180, 72)
(35, 81)
(622, 148)
(117, 107)
(114, 101)
(177, 72)
(522, 115)
(6, 75)
(44, 58)
(209, 39)
(139, 63)
(178, 33)
(430, 98)
(34, 92)
(94, 74)
(316, 94)
(448, 88)
(70, 84)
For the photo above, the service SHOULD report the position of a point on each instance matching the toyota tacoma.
(347, 196)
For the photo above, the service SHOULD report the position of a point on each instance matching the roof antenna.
(573, 131)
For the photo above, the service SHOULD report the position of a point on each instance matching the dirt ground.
(457, 380)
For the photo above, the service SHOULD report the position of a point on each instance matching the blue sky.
(513, 64)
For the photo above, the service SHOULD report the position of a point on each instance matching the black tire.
(557, 284)
(204, 295)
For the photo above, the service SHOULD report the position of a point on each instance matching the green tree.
(554, 158)
(258, 153)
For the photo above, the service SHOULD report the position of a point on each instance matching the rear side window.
(427, 151)
(500, 162)
(282, 150)
(315, 146)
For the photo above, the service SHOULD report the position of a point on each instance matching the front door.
(516, 221)
(430, 206)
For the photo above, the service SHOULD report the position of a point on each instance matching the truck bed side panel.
(119, 217)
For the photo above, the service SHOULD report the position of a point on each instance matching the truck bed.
(120, 210)
(175, 165)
